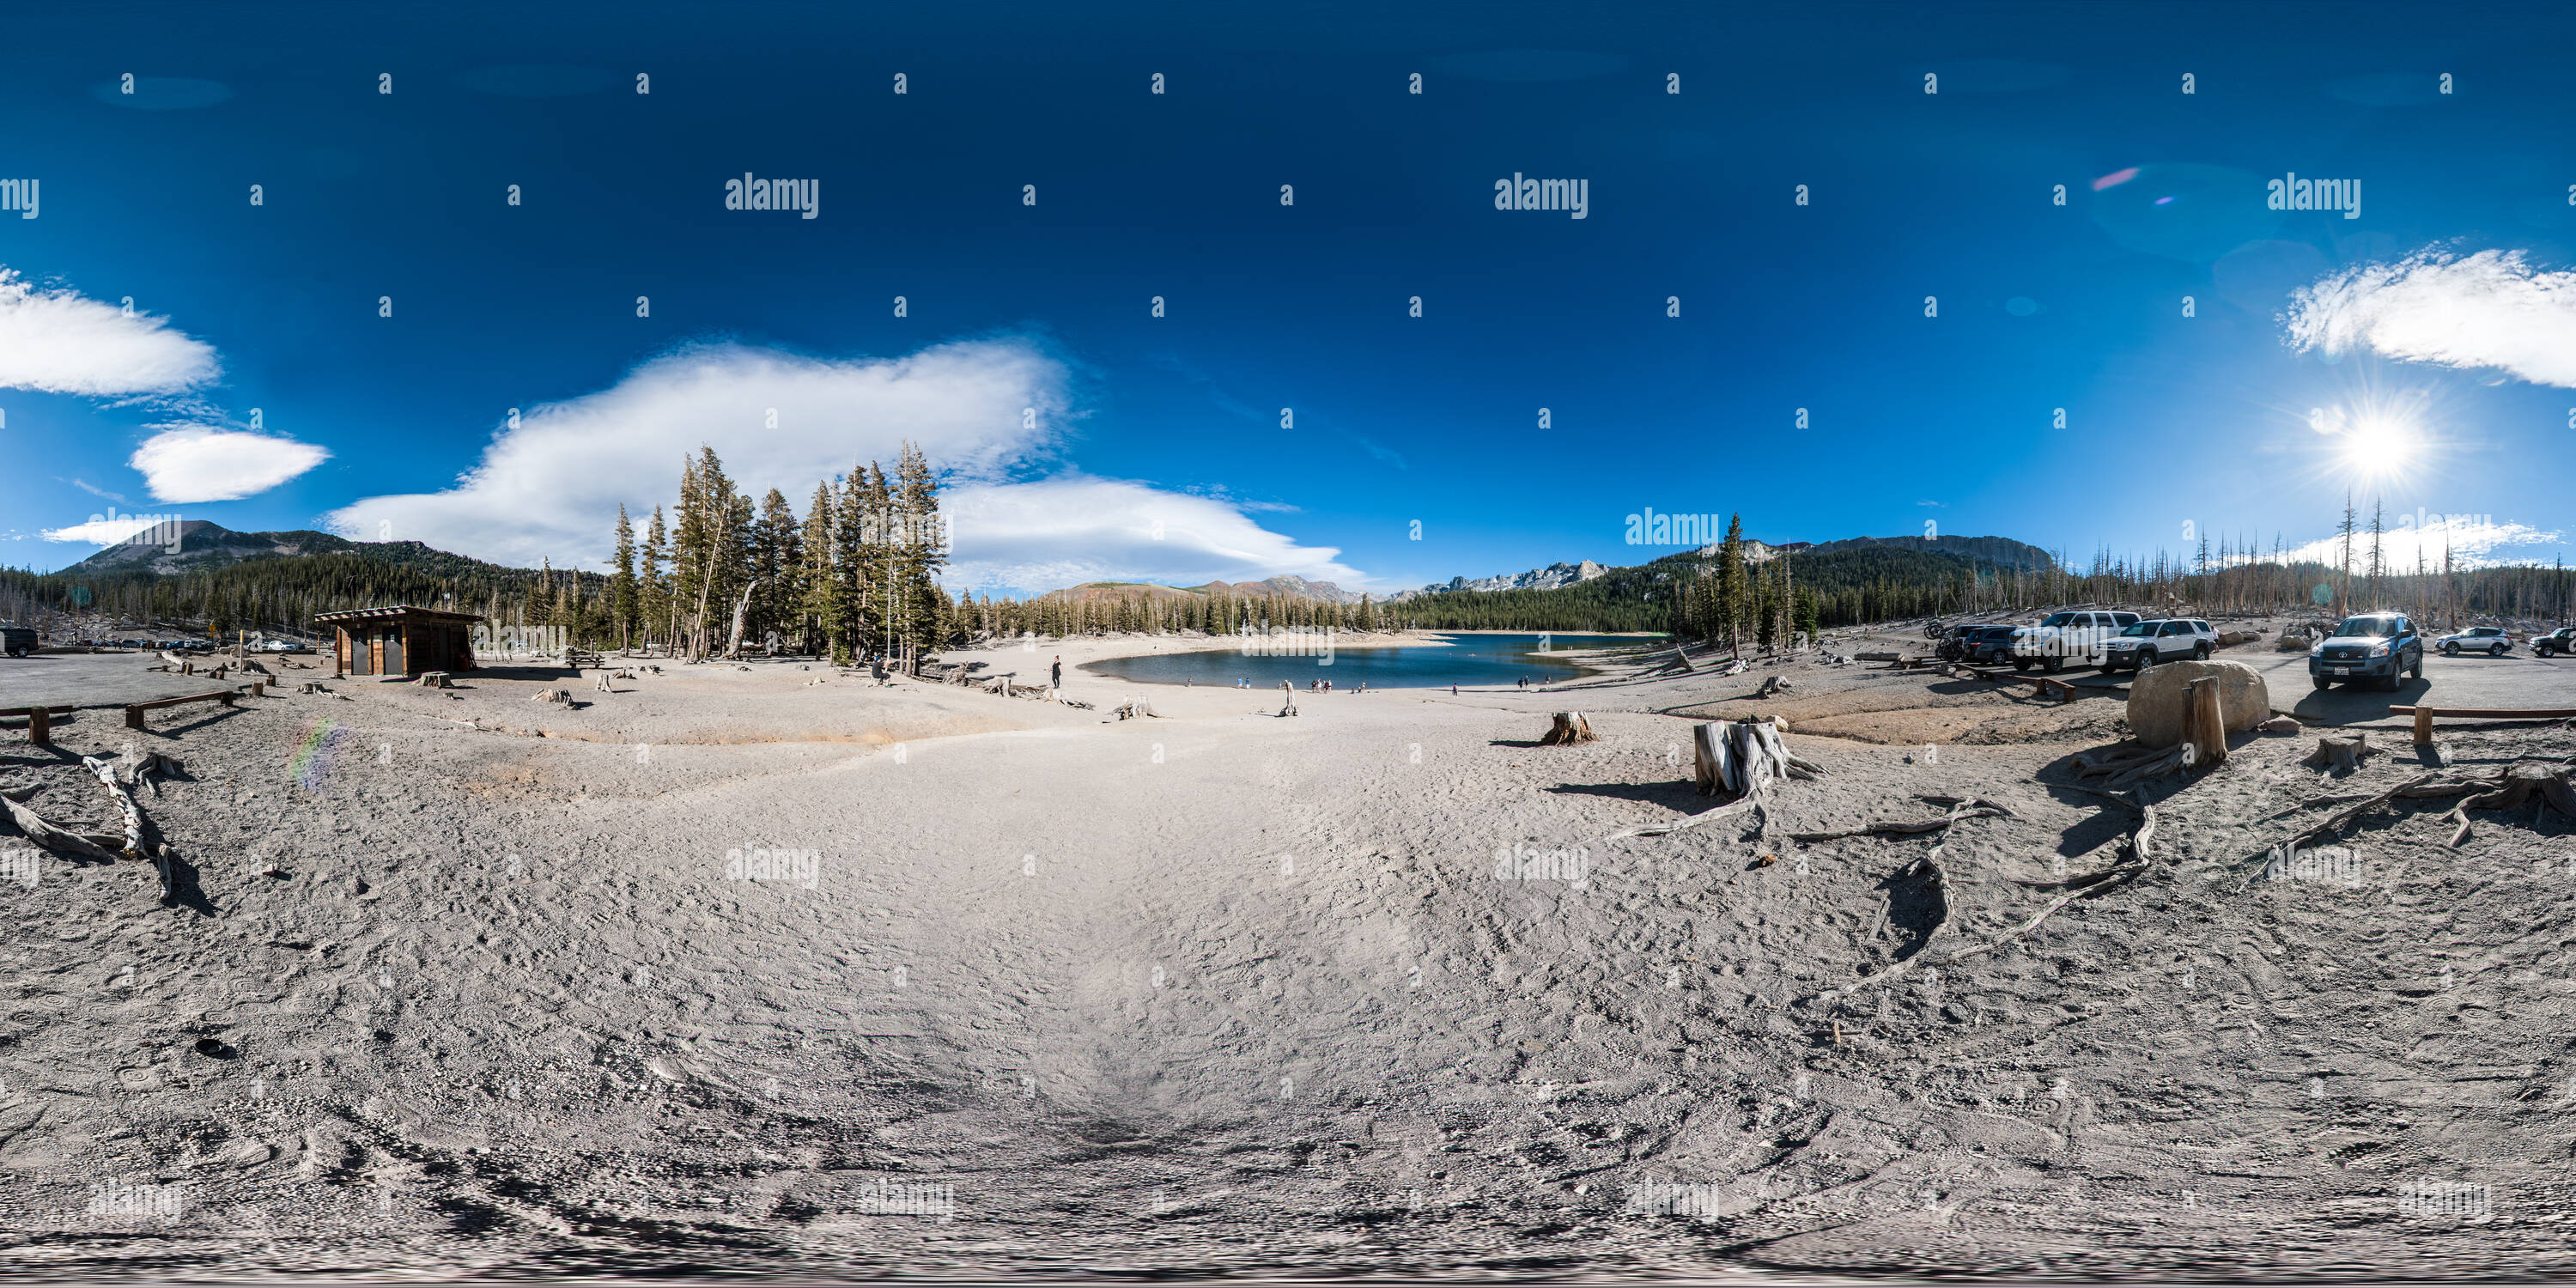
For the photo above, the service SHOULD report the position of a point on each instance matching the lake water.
(1472, 661)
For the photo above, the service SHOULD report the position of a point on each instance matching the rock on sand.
(2156, 701)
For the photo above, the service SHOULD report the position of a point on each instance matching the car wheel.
(2498, 650)
(2416, 671)
(2053, 665)
(2200, 654)
(2450, 650)
(2321, 681)
(2144, 660)
(2021, 664)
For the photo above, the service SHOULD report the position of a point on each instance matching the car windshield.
(2058, 619)
(2142, 628)
(2377, 628)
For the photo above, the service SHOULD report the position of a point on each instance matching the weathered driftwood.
(105, 773)
(1959, 807)
(1771, 687)
(2092, 885)
(34, 827)
(2514, 787)
(1288, 694)
(2178, 757)
(1568, 727)
(1134, 708)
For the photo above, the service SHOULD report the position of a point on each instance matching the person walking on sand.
(1055, 673)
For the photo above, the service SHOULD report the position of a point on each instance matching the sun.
(2381, 442)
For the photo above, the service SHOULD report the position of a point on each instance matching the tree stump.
(1738, 757)
(1569, 727)
(2340, 755)
(2205, 727)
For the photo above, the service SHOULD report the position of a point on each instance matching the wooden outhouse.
(403, 640)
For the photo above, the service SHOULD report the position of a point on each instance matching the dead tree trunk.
(741, 607)
(2205, 727)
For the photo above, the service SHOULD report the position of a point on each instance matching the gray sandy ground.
(459, 981)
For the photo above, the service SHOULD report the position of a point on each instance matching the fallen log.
(105, 773)
(34, 827)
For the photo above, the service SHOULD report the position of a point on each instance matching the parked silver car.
(2171, 639)
(2490, 640)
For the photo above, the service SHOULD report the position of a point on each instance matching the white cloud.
(102, 532)
(191, 463)
(551, 487)
(2474, 541)
(1062, 532)
(56, 342)
(2489, 310)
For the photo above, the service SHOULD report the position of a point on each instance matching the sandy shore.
(771, 967)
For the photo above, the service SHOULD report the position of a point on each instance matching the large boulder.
(2156, 701)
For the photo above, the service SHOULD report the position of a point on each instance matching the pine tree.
(819, 601)
(621, 585)
(1733, 603)
(653, 588)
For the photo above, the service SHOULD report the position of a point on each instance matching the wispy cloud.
(101, 531)
(2490, 310)
(59, 342)
(93, 489)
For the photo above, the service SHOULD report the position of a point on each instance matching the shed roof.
(398, 612)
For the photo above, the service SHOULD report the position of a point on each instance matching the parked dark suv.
(2562, 640)
(2369, 646)
(17, 641)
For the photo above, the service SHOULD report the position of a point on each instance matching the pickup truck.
(2562, 640)
(2077, 636)
(2173, 639)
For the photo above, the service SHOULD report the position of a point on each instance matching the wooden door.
(394, 651)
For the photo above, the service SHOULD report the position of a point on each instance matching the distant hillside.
(203, 547)
(271, 580)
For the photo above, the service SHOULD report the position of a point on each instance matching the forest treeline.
(857, 573)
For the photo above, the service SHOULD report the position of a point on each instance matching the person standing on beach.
(1055, 673)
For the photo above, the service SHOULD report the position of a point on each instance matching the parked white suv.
(2079, 637)
(2172, 639)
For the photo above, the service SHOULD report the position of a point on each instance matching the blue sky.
(1089, 439)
